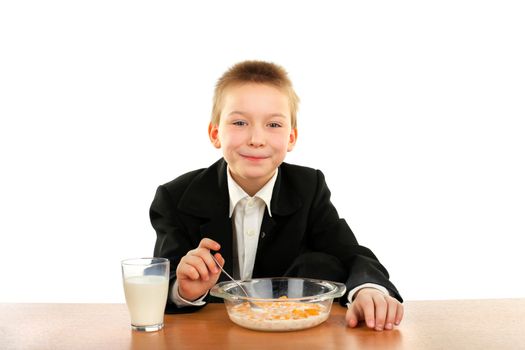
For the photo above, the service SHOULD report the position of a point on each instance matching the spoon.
(254, 306)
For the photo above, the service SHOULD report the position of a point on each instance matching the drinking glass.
(146, 289)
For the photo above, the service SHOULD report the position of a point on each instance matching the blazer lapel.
(285, 200)
(207, 197)
(284, 203)
(220, 230)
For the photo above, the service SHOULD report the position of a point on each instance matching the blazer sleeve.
(331, 234)
(173, 241)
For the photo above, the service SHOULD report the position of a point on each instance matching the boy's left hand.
(379, 311)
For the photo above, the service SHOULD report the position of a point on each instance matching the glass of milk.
(146, 289)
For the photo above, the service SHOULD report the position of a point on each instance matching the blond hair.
(259, 72)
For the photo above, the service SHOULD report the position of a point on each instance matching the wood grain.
(456, 324)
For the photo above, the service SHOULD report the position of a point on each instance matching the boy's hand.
(378, 310)
(197, 272)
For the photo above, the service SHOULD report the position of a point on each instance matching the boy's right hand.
(197, 272)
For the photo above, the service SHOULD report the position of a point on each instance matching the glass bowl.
(285, 304)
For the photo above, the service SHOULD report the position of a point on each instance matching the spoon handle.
(254, 306)
(230, 277)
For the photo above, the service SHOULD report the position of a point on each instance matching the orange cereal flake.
(312, 312)
(279, 310)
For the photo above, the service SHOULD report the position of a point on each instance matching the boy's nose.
(256, 138)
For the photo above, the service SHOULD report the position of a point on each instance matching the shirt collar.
(237, 193)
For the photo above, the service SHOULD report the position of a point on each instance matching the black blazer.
(196, 205)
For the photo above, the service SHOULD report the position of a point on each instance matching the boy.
(268, 218)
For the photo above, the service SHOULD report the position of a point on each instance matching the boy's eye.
(274, 125)
(239, 123)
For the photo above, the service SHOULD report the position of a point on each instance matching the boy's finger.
(198, 264)
(391, 313)
(367, 307)
(205, 255)
(188, 271)
(219, 258)
(380, 311)
(209, 244)
(352, 316)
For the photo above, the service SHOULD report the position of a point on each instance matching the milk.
(146, 298)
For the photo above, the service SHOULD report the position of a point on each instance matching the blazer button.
(263, 234)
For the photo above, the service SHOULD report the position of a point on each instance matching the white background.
(414, 111)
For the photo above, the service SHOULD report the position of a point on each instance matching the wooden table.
(461, 324)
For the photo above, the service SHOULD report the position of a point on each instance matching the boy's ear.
(213, 133)
(292, 140)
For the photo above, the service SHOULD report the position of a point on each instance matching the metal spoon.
(252, 304)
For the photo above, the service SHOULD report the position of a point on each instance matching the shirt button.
(250, 232)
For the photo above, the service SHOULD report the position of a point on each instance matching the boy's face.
(254, 133)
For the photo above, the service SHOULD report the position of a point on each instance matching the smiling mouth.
(254, 158)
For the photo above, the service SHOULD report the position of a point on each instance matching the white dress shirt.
(248, 213)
